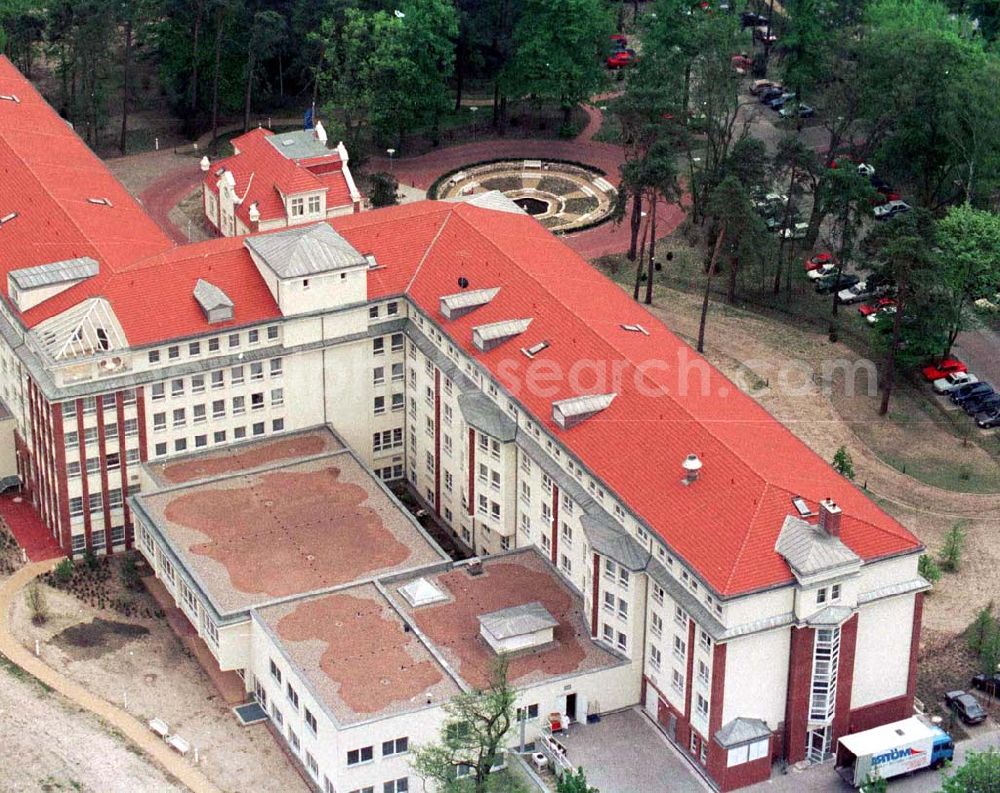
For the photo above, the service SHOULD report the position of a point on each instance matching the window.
(313, 204)
(565, 563)
(658, 594)
(397, 342)
(821, 595)
(114, 461)
(362, 755)
(705, 641)
(397, 402)
(160, 449)
(258, 428)
(180, 419)
(198, 384)
(379, 405)
(157, 392)
(703, 673)
(397, 746)
(277, 365)
(532, 712)
(257, 370)
(239, 405)
(293, 695)
(131, 428)
(310, 720)
(622, 608)
(272, 332)
(194, 348)
(177, 387)
(76, 506)
(677, 681)
(218, 408)
(608, 633)
(234, 340)
(277, 397)
(154, 356)
(401, 785)
(702, 706)
(198, 413)
(680, 648)
(311, 764)
(680, 617)
(378, 346)
(397, 373)
(275, 671)
(131, 455)
(73, 468)
(609, 601)
(276, 715)
(219, 436)
(93, 465)
(297, 207)
(655, 657)
(257, 401)
(622, 641)
(180, 444)
(305, 283)
(159, 421)
(835, 593)
(392, 309)
(253, 336)
(236, 375)
(173, 352)
(213, 344)
(378, 375)
(372, 312)
(94, 502)
(200, 441)
(278, 425)
(293, 739)
(218, 380)
(655, 624)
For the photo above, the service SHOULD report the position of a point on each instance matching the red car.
(874, 307)
(619, 40)
(817, 261)
(621, 59)
(741, 64)
(941, 369)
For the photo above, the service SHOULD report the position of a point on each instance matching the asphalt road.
(980, 350)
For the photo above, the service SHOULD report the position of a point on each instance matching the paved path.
(980, 349)
(130, 727)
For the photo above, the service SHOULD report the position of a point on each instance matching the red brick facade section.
(140, 414)
(103, 457)
(918, 616)
(845, 679)
(879, 713)
(797, 702)
(123, 470)
(689, 671)
(59, 451)
(85, 493)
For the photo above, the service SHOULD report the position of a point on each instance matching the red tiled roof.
(725, 525)
(263, 174)
(48, 174)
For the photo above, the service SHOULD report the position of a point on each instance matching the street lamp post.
(390, 152)
(473, 109)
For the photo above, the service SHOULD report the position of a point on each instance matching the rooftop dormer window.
(10, 98)
(104, 202)
(7, 218)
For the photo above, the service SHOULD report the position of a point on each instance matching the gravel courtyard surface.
(159, 679)
(48, 744)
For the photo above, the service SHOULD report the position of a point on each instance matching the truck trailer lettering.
(895, 754)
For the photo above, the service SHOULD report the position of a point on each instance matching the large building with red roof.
(274, 181)
(766, 605)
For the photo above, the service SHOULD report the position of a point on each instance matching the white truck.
(891, 750)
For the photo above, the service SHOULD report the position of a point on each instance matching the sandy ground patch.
(50, 745)
(159, 679)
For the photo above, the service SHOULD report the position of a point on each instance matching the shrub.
(64, 571)
(842, 463)
(129, 573)
(382, 190)
(951, 551)
(36, 604)
(91, 559)
(929, 569)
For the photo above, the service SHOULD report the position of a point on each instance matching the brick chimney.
(829, 517)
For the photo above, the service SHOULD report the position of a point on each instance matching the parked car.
(873, 319)
(741, 64)
(834, 283)
(966, 392)
(796, 232)
(942, 368)
(987, 421)
(868, 309)
(778, 102)
(757, 87)
(966, 706)
(823, 271)
(986, 402)
(618, 41)
(761, 34)
(890, 209)
(988, 683)
(802, 111)
(854, 294)
(771, 201)
(945, 385)
(768, 94)
(748, 19)
(813, 262)
(621, 59)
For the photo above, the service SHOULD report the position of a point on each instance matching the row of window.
(395, 340)
(237, 376)
(95, 501)
(391, 310)
(214, 344)
(98, 539)
(113, 462)
(220, 436)
(199, 413)
(92, 434)
(91, 403)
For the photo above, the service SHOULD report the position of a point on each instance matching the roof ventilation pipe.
(691, 465)
(254, 213)
(205, 164)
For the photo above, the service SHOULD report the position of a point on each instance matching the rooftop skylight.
(10, 98)
(568, 413)
(7, 218)
(106, 202)
(636, 329)
(534, 349)
(486, 337)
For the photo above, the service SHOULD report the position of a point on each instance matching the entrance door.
(571, 706)
(818, 744)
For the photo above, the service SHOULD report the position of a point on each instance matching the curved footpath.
(181, 175)
(130, 727)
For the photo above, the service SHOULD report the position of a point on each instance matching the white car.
(954, 380)
(871, 319)
(866, 170)
(822, 271)
(890, 209)
(853, 293)
(796, 232)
